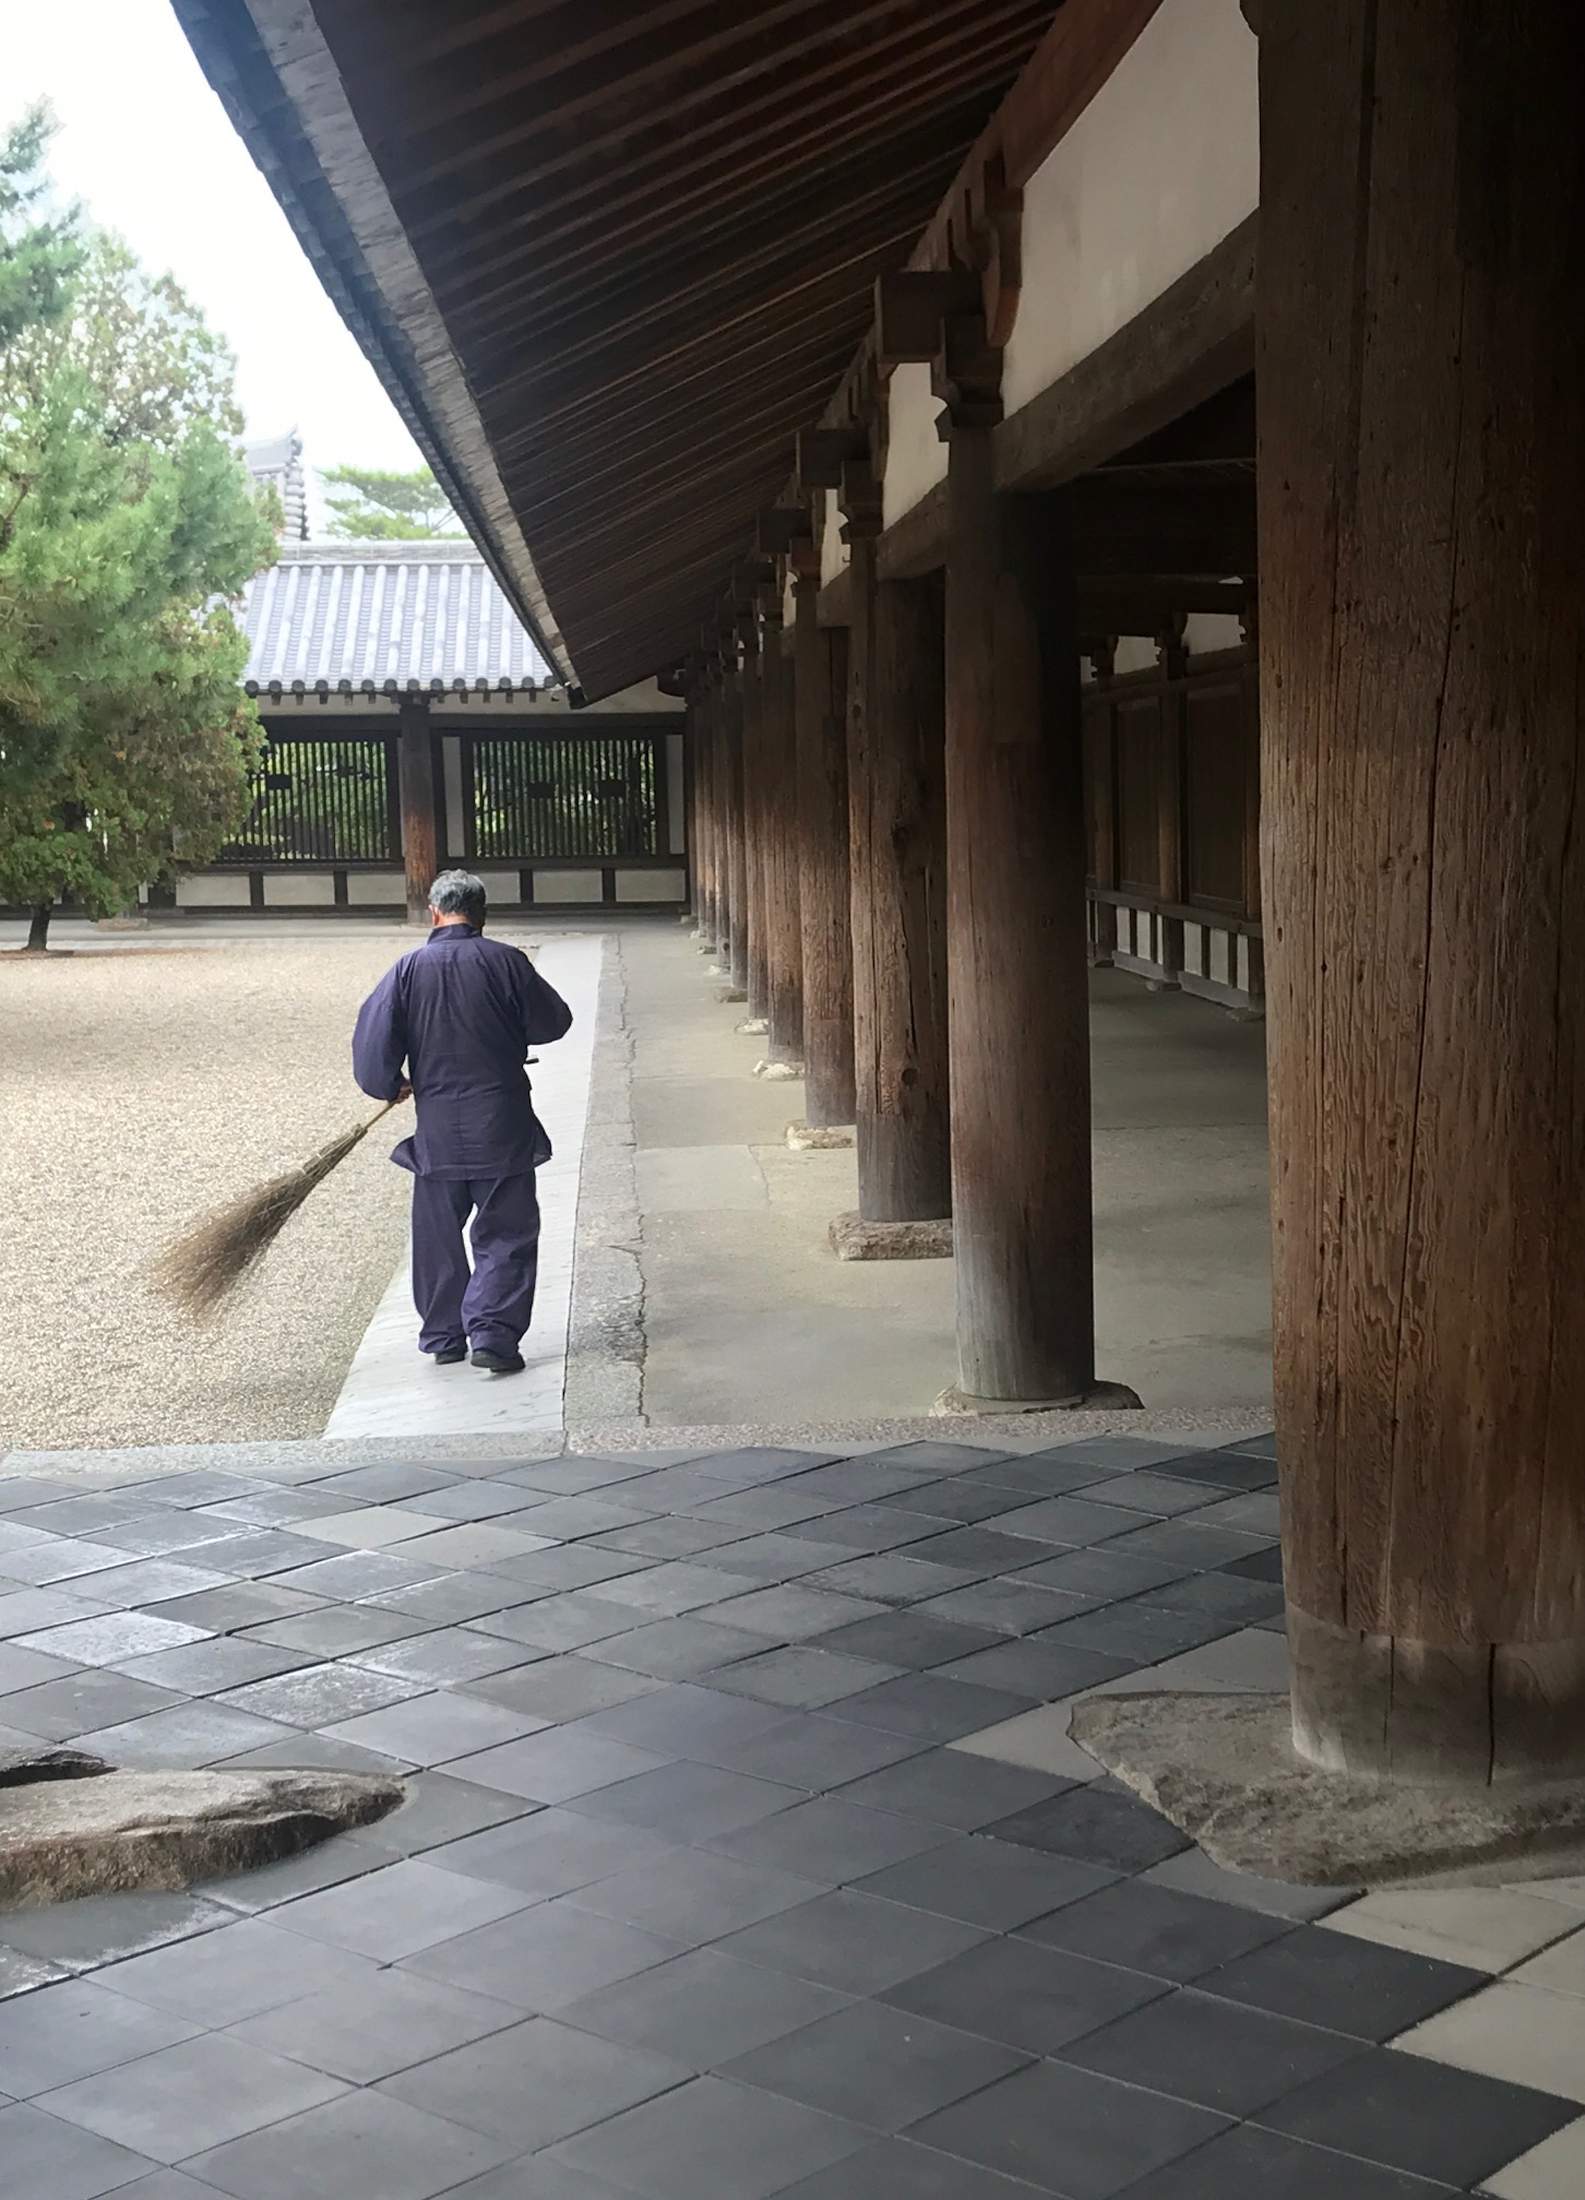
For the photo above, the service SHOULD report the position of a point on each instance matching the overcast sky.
(147, 148)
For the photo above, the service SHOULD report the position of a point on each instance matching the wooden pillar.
(897, 795)
(734, 874)
(420, 811)
(754, 808)
(702, 715)
(820, 685)
(1019, 1018)
(784, 954)
(1422, 620)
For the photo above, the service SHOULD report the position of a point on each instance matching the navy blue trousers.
(488, 1306)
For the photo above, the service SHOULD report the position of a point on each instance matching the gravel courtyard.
(140, 1085)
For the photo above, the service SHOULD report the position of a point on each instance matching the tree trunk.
(1422, 617)
(1019, 1015)
(39, 927)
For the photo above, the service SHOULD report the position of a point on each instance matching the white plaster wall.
(833, 550)
(651, 885)
(213, 890)
(559, 886)
(299, 890)
(1208, 630)
(502, 886)
(1135, 653)
(916, 457)
(451, 774)
(367, 888)
(1161, 165)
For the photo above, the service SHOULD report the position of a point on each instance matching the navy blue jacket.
(461, 1013)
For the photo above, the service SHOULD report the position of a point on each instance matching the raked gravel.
(138, 1087)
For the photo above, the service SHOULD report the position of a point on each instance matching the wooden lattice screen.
(596, 796)
(322, 800)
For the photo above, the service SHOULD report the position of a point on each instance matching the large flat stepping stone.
(71, 1826)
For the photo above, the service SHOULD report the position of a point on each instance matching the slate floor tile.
(821, 1752)
(912, 1640)
(875, 2065)
(300, 1750)
(561, 1567)
(185, 2099)
(1183, 1543)
(1007, 1606)
(536, 2177)
(688, 1802)
(369, 2028)
(831, 1840)
(1140, 1632)
(686, 1720)
(552, 1852)
(1025, 1996)
(1192, 1872)
(671, 1536)
(25, 1974)
(40, 2154)
(536, 2084)
(111, 1638)
(676, 1648)
(561, 1762)
(476, 1545)
(1097, 1827)
(1222, 1470)
(1067, 2132)
(1248, 2164)
(1488, 1928)
(560, 1623)
(208, 1668)
(369, 1527)
(83, 1702)
(1156, 1930)
(712, 2137)
(1328, 1979)
(702, 2009)
(981, 1550)
(361, 2143)
(1215, 2053)
(444, 1658)
(433, 1730)
(790, 1611)
(851, 1942)
(202, 1732)
(353, 1575)
(944, 1787)
(692, 1896)
(398, 1911)
(27, 1668)
(1073, 1522)
(897, 2169)
(965, 1500)
(1038, 1669)
(42, 1559)
(28, 1612)
(1149, 1491)
(988, 1883)
(666, 1591)
(1555, 2170)
(81, 1935)
(543, 1958)
(319, 1695)
(1421, 2117)
(450, 1600)
(929, 1708)
(1103, 1575)
(331, 1630)
(798, 1679)
(239, 1971)
(557, 1689)
(75, 2030)
(330, 1864)
(437, 1809)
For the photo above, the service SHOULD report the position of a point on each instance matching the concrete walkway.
(749, 1319)
(745, 1853)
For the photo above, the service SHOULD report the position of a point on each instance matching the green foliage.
(125, 515)
(38, 258)
(371, 504)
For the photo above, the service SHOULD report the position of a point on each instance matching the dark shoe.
(452, 1356)
(499, 1363)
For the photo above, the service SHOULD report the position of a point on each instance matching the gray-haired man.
(453, 1023)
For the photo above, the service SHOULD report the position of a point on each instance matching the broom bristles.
(200, 1269)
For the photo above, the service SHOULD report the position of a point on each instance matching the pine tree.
(125, 520)
(369, 504)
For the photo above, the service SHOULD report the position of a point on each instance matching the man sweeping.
(453, 1023)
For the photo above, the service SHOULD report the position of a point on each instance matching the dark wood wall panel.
(1217, 739)
(1141, 735)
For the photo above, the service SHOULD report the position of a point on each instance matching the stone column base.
(717, 970)
(730, 992)
(753, 1027)
(779, 1073)
(1224, 1770)
(852, 1238)
(1099, 1398)
(820, 1137)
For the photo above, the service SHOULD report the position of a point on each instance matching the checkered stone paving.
(744, 1854)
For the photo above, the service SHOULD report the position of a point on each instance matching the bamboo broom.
(199, 1270)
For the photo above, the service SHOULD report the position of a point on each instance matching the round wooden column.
(897, 797)
(1019, 979)
(784, 954)
(701, 718)
(415, 758)
(734, 869)
(1422, 615)
(754, 827)
(825, 897)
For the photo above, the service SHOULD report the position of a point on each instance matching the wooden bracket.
(822, 453)
(859, 497)
(678, 680)
(806, 562)
(911, 307)
(777, 529)
(966, 375)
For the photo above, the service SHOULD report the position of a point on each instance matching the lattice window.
(322, 801)
(595, 796)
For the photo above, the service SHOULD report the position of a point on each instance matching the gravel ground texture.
(139, 1087)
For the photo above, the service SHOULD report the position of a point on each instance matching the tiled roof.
(280, 462)
(373, 614)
